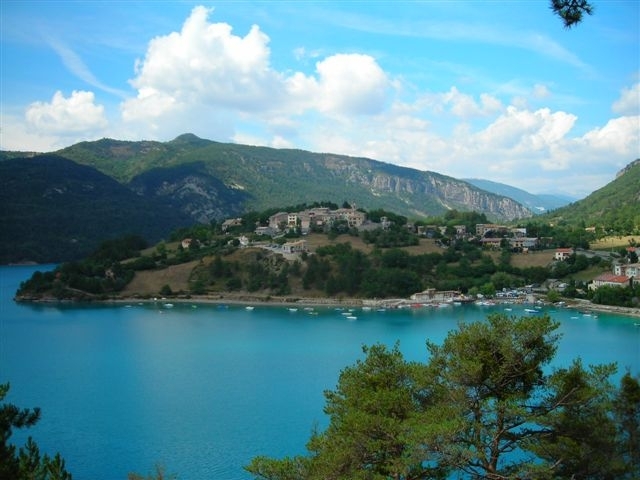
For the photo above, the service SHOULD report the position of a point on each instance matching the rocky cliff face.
(421, 190)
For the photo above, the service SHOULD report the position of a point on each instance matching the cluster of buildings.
(312, 218)
(623, 275)
(493, 236)
(490, 235)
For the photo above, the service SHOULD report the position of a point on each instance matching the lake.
(201, 389)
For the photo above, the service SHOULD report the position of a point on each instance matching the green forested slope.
(54, 209)
(615, 208)
(270, 177)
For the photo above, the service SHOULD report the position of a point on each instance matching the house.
(523, 242)
(483, 228)
(562, 254)
(431, 295)
(461, 230)
(353, 217)
(631, 270)
(231, 222)
(277, 220)
(294, 247)
(186, 243)
(264, 231)
(491, 242)
(609, 279)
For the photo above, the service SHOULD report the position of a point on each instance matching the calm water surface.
(202, 389)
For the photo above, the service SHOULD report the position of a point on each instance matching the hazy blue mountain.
(537, 203)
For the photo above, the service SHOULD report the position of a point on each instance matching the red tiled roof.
(611, 278)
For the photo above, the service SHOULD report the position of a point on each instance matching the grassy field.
(532, 259)
(608, 243)
(149, 282)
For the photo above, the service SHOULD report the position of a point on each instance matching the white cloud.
(67, 116)
(204, 63)
(17, 136)
(629, 101)
(351, 84)
(620, 136)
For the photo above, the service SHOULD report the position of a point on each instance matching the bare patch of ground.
(150, 282)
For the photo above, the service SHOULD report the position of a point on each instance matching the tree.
(571, 11)
(370, 414)
(24, 463)
(483, 406)
(159, 474)
(582, 442)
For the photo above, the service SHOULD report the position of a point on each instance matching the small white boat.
(352, 317)
(248, 307)
(293, 309)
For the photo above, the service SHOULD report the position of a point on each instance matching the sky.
(497, 90)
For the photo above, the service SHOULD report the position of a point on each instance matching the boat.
(293, 309)
(352, 317)
(248, 307)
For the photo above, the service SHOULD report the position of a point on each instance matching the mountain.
(226, 178)
(54, 209)
(536, 203)
(615, 207)
(59, 206)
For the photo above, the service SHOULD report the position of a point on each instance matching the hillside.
(60, 206)
(254, 178)
(54, 209)
(536, 203)
(615, 207)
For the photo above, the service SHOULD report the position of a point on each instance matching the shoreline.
(300, 301)
(290, 301)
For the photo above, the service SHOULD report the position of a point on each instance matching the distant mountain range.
(538, 204)
(59, 206)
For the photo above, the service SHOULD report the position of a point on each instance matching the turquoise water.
(202, 389)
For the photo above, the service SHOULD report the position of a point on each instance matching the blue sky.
(480, 89)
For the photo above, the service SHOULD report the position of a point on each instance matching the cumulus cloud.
(67, 116)
(629, 101)
(351, 84)
(620, 136)
(204, 63)
(526, 130)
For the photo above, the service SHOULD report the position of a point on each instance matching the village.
(490, 236)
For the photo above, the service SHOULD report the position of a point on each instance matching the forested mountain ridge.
(55, 209)
(614, 208)
(265, 177)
